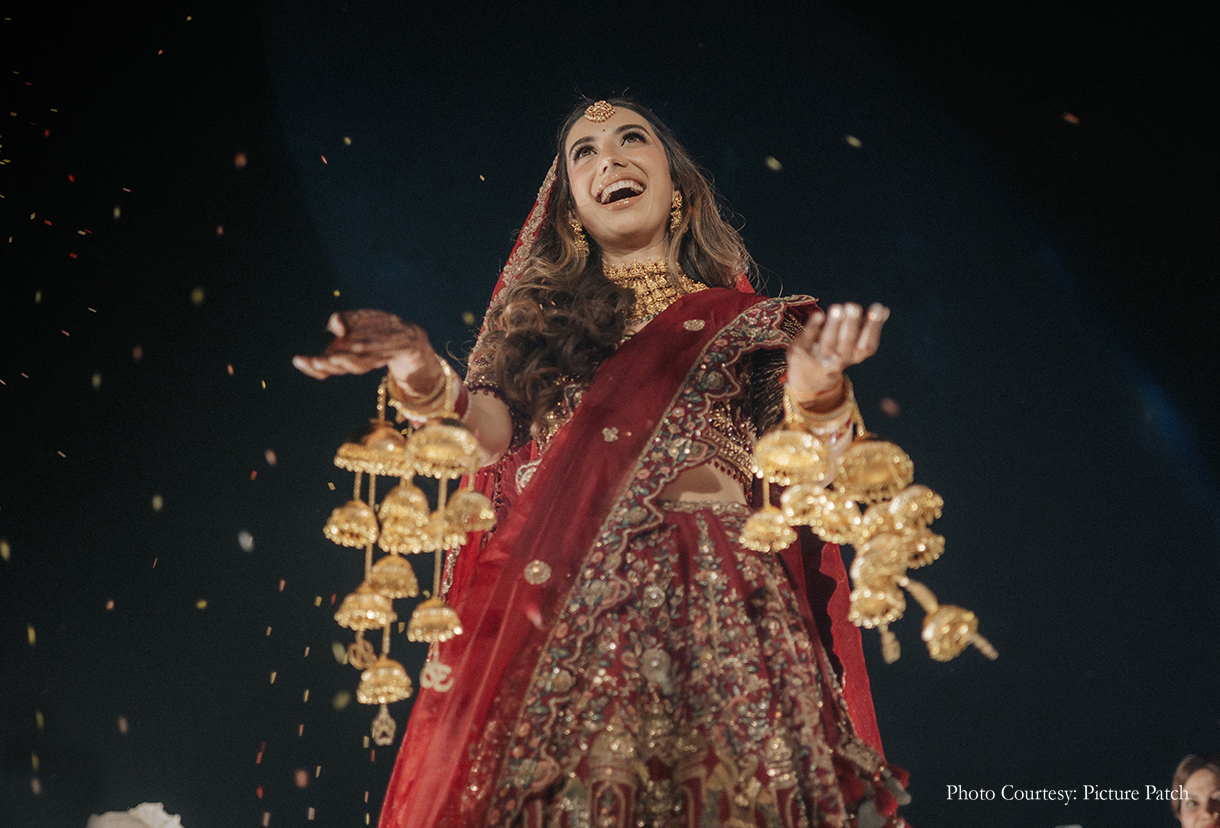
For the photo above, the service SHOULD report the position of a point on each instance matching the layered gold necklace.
(654, 292)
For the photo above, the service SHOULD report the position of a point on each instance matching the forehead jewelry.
(598, 112)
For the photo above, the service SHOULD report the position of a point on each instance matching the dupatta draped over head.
(593, 488)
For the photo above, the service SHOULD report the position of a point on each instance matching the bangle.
(819, 423)
(447, 399)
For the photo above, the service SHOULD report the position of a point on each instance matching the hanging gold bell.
(365, 609)
(380, 450)
(767, 531)
(443, 448)
(405, 502)
(874, 607)
(880, 562)
(352, 524)
(404, 536)
(432, 621)
(833, 517)
(393, 577)
(470, 511)
(950, 629)
(911, 509)
(872, 470)
(384, 682)
(787, 456)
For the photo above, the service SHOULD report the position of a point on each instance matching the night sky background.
(1029, 187)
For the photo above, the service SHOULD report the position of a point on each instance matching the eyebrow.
(589, 138)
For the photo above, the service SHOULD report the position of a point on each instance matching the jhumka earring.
(578, 233)
(675, 213)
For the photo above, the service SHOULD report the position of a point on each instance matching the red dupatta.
(564, 511)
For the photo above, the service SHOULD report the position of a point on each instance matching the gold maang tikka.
(599, 112)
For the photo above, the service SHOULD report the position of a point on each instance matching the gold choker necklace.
(653, 290)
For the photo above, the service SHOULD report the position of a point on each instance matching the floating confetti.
(6, 551)
(245, 540)
(229, 368)
(481, 178)
(347, 142)
(37, 297)
(317, 601)
(266, 818)
(137, 353)
(467, 318)
(96, 380)
(317, 772)
(854, 141)
(269, 456)
(336, 293)
(339, 652)
(282, 584)
(366, 742)
(123, 726)
(341, 700)
(201, 604)
(197, 296)
(330, 486)
(273, 676)
(240, 160)
(117, 212)
(309, 814)
(254, 474)
(890, 407)
(1071, 119)
(36, 785)
(306, 653)
(39, 721)
(220, 229)
(34, 762)
(773, 163)
(264, 383)
(301, 778)
(268, 631)
(157, 502)
(110, 605)
(31, 635)
(300, 730)
(323, 157)
(259, 793)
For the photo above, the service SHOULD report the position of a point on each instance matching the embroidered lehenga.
(625, 661)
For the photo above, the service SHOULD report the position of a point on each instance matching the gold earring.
(578, 233)
(675, 214)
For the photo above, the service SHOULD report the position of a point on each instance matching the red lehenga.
(626, 661)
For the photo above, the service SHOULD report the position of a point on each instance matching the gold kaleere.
(352, 524)
(393, 577)
(443, 449)
(890, 537)
(385, 681)
(470, 511)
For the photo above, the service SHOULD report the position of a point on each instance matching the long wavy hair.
(557, 323)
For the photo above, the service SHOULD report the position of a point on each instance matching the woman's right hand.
(366, 340)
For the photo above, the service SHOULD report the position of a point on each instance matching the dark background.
(1032, 195)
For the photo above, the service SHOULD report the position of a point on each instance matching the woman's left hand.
(842, 336)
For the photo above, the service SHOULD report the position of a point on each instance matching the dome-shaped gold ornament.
(365, 609)
(404, 536)
(384, 682)
(406, 502)
(872, 470)
(950, 629)
(393, 577)
(873, 607)
(832, 516)
(352, 524)
(381, 450)
(470, 511)
(787, 456)
(879, 562)
(443, 448)
(767, 531)
(432, 621)
(910, 510)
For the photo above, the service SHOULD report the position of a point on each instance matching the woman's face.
(619, 176)
(1202, 795)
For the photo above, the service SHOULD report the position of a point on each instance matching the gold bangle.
(441, 401)
(817, 422)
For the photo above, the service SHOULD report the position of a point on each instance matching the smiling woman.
(627, 660)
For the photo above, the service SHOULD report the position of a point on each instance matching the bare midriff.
(704, 484)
